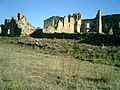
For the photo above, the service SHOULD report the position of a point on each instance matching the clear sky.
(38, 10)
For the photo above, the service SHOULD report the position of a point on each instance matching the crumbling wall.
(17, 26)
(92, 25)
(48, 22)
(79, 25)
(71, 25)
(88, 25)
(52, 21)
(68, 24)
(111, 24)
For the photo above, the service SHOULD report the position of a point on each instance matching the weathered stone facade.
(66, 24)
(16, 26)
(109, 24)
(92, 25)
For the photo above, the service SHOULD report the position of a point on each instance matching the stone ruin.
(109, 24)
(67, 24)
(16, 26)
(71, 24)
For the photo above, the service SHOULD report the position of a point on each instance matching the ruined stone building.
(92, 25)
(109, 24)
(67, 24)
(16, 26)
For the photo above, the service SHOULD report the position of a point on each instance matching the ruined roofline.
(111, 15)
(13, 17)
(62, 17)
(53, 17)
(88, 19)
(102, 16)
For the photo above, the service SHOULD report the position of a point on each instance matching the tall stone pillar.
(99, 22)
(78, 25)
(0, 30)
(66, 24)
(71, 25)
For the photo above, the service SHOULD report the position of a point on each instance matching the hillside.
(57, 64)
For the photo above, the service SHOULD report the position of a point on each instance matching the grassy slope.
(22, 67)
(109, 55)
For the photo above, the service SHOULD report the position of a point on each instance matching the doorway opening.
(87, 26)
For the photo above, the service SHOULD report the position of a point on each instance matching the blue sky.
(38, 10)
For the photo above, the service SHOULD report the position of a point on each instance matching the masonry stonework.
(17, 26)
(66, 24)
(109, 24)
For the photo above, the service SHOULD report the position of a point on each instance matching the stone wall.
(52, 21)
(87, 25)
(92, 25)
(66, 24)
(17, 26)
(111, 23)
(108, 24)
(73, 24)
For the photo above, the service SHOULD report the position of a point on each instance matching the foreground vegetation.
(109, 55)
(57, 64)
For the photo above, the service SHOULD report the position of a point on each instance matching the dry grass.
(25, 68)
